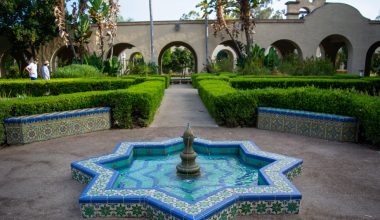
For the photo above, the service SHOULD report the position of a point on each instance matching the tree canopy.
(27, 24)
(245, 11)
(177, 60)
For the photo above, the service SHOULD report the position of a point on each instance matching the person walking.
(46, 71)
(32, 69)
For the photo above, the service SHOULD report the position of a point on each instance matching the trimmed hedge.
(360, 85)
(139, 79)
(199, 77)
(232, 108)
(336, 76)
(12, 88)
(131, 107)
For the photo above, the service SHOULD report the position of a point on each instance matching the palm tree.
(152, 60)
(98, 12)
(243, 10)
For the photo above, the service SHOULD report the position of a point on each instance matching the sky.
(138, 10)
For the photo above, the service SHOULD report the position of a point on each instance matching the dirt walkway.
(182, 105)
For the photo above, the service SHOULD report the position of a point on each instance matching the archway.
(286, 47)
(119, 48)
(225, 58)
(338, 50)
(372, 60)
(232, 46)
(187, 58)
(62, 57)
(136, 57)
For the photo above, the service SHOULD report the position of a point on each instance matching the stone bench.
(27, 129)
(312, 124)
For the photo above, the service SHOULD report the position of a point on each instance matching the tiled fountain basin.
(272, 193)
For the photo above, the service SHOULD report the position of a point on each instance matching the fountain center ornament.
(188, 167)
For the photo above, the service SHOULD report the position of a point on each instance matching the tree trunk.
(111, 52)
(82, 6)
(245, 15)
(222, 22)
(101, 40)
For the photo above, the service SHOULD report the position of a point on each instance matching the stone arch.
(225, 54)
(179, 44)
(133, 56)
(62, 56)
(226, 57)
(119, 48)
(230, 45)
(368, 59)
(330, 46)
(285, 47)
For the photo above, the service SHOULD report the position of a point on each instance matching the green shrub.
(12, 88)
(294, 65)
(375, 81)
(197, 79)
(232, 107)
(228, 74)
(13, 72)
(327, 83)
(131, 107)
(95, 61)
(142, 69)
(77, 71)
(335, 76)
(196, 75)
(112, 67)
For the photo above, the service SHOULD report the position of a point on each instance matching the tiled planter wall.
(324, 126)
(27, 129)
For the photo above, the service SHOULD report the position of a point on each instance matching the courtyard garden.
(285, 130)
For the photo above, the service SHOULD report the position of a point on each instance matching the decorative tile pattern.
(121, 210)
(27, 129)
(273, 196)
(325, 126)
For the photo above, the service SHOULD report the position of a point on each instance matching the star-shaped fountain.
(139, 180)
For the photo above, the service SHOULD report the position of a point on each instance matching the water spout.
(188, 167)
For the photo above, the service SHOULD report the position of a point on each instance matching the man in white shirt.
(32, 69)
(45, 71)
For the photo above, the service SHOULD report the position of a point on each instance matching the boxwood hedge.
(367, 86)
(131, 107)
(12, 88)
(231, 107)
(196, 78)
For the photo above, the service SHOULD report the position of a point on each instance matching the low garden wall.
(32, 128)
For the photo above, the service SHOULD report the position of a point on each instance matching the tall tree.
(111, 23)
(74, 27)
(99, 11)
(27, 24)
(241, 9)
